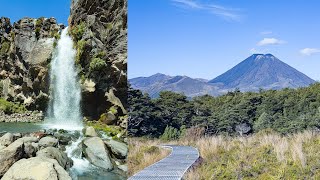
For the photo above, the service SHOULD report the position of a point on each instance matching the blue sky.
(17, 9)
(205, 38)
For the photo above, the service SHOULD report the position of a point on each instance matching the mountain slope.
(182, 84)
(262, 71)
(257, 71)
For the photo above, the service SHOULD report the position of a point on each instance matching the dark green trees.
(285, 111)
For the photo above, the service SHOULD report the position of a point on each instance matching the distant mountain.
(183, 84)
(262, 71)
(259, 71)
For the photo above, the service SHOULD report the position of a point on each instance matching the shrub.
(10, 107)
(170, 133)
(55, 43)
(97, 64)
(5, 46)
(80, 48)
(113, 110)
(78, 31)
(101, 55)
(39, 22)
(55, 34)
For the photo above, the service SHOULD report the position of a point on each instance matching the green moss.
(97, 64)
(78, 30)
(5, 46)
(9, 107)
(113, 110)
(110, 130)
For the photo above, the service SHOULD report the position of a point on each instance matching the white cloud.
(221, 11)
(309, 51)
(188, 3)
(270, 41)
(266, 32)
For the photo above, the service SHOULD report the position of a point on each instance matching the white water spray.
(64, 107)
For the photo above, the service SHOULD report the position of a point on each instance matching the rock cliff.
(26, 49)
(99, 30)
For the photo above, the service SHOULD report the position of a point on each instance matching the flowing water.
(64, 106)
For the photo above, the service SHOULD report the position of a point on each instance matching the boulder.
(108, 118)
(97, 153)
(48, 142)
(36, 168)
(55, 153)
(91, 132)
(29, 150)
(6, 139)
(88, 86)
(11, 154)
(119, 149)
(41, 52)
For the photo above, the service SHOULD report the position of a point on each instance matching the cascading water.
(64, 109)
(64, 106)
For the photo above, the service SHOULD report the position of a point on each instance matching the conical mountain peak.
(262, 71)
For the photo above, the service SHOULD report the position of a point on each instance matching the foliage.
(113, 110)
(170, 133)
(144, 117)
(55, 34)
(5, 46)
(112, 131)
(97, 64)
(284, 111)
(10, 107)
(80, 48)
(78, 30)
(39, 22)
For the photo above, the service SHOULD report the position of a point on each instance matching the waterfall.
(64, 106)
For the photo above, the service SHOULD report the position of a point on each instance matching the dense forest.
(235, 113)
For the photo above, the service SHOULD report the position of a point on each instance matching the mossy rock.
(110, 130)
(107, 118)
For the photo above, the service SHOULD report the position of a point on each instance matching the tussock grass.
(143, 153)
(264, 155)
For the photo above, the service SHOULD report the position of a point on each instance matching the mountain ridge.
(258, 71)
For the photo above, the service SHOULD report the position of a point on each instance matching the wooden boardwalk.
(172, 167)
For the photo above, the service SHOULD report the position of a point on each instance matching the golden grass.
(143, 153)
(259, 156)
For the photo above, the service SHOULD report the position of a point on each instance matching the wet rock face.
(99, 30)
(26, 49)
